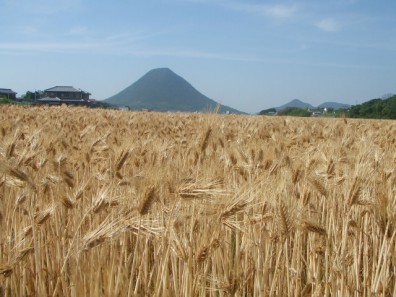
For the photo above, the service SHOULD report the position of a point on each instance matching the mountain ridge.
(300, 104)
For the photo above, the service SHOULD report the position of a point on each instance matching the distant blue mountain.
(163, 90)
(300, 104)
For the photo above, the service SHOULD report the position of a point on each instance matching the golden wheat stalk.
(42, 216)
(205, 141)
(122, 159)
(354, 192)
(6, 270)
(284, 219)
(148, 200)
(233, 210)
(313, 227)
(318, 185)
(23, 253)
(68, 202)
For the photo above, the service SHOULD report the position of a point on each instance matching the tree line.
(384, 108)
(375, 109)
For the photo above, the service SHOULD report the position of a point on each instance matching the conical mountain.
(295, 103)
(163, 90)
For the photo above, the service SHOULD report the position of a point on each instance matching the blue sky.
(247, 54)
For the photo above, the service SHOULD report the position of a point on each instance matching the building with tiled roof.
(8, 93)
(66, 93)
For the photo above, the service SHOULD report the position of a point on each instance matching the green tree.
(102, 104)
(32, 96)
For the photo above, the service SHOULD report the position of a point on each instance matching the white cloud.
(278, 11)
(328, 25)
(281, 11)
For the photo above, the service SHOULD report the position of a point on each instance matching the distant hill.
(163, 90)
(334, 105)
(295, 103)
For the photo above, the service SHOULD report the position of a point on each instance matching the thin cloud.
(79, 30)
(78, 39)
(116, 47)
(328, 25)
(29, 30)
(129, 36)
(54, 47)
(279, 11)
(42, 7)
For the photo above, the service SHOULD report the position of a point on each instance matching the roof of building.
(49, 99)
(69, 89)
(7, 91)
(56, 99)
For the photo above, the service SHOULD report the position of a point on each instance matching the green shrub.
(4, 100)
(295, 111)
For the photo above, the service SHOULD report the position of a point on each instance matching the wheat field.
(120, 203)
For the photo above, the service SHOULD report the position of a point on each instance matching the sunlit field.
(119, 203)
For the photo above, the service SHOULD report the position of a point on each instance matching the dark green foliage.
(268, 111)
(375, 109)
(32, 96)
(295, 111)
(102, 104)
